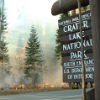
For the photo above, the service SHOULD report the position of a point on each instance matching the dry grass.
(23, 91)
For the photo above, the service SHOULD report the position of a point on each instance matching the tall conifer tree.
(3, 29)
(58, 45)
(33, 53)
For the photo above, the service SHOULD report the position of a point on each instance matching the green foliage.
(3, 45)
(3, 23)
(33, 52)
(58, 37)
(58, 45)
(3, 52)
(27, 70)
(64, 15)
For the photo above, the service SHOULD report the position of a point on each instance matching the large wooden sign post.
(76, 44)
(70, 37)
(64, 6)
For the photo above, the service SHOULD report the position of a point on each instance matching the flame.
(65, 85)
(43, 85)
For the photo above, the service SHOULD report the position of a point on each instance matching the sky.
(28, 9)
(21, 14)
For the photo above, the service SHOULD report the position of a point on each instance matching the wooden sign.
(71, 48)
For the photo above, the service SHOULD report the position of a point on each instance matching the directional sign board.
(71, 47)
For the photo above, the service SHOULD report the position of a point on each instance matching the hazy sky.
(28, 10)
(21, 14)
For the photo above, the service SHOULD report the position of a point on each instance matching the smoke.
(52, 69)
(2, 78)
(9, 77)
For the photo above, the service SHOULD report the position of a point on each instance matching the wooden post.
(95, 17)
(82, 50)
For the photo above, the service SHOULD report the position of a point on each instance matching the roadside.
(23, 91)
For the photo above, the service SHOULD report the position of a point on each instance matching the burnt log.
(62, 6)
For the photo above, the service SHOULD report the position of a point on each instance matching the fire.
(21, 86)
(46, 85)
(65, 85)
(16, 87)
(43, 85)
(29, 86)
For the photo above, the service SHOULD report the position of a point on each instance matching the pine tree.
(33, 52)
(58, 45)
(3, 29)
(3, 52)
(58, 37)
